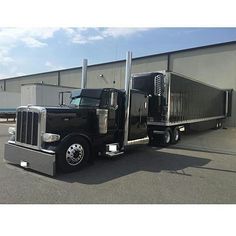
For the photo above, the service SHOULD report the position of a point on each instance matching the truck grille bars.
(27, 127)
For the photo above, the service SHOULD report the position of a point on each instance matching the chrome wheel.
(176, 136)
(167, 137)
(74, 154)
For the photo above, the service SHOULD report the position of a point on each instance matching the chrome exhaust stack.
(84, 74)
(127, 94)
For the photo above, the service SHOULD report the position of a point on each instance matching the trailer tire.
(166, 137)
(219, 125)
(73, 154)
(175, 135)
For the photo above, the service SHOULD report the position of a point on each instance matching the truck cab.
(68, 136)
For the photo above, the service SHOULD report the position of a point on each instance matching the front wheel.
(73, 154)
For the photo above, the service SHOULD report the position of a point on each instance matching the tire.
(175, 135)
(73, 154)
(219, 124)
(166, 137)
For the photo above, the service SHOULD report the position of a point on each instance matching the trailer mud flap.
(31, 159)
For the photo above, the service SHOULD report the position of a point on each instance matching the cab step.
(113, 149)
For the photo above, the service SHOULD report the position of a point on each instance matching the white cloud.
(20, 74)
(33, 43)
(5, 59)
(11, 38)
(122, 32)
(52, 66)
(89, 35)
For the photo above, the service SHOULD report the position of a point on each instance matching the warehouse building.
(213, 64)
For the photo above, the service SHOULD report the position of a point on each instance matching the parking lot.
(144, 175)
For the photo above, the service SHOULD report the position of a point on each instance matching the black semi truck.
(97, 121)
(105, 121)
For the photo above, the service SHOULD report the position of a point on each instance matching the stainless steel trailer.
(176, 101)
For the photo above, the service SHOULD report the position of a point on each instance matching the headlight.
(49, 138)
(12, 130)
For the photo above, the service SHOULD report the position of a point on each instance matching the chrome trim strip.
(32, 126)
(43, 150)
(158, 132)
(169, 102)
(128, 85)
(226, 102)
(48, 151)
(138, 141)
(183, 122)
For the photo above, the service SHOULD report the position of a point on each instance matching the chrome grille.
(27, 127)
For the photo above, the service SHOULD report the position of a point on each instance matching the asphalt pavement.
(143, 175)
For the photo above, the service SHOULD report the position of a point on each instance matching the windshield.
(84, 101)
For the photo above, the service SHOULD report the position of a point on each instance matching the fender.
(71, 135)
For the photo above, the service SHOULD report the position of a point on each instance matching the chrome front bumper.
(31, 159)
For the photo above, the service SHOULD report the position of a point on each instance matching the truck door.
(110, 102)
(138, 115)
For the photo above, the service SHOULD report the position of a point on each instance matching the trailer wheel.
(166, 137)
(219, 125)
(73, 154)
(175, 135)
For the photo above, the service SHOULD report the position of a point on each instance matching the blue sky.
(33, 50)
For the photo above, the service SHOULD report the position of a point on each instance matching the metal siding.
(1, 85)
(156, 63)
(106, 76)
(71, 78)
(9, 100)
(114, 74)
(215, 66)
(14, 85)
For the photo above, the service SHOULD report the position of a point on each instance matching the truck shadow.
(138, 159)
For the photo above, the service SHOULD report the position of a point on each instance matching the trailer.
(176, 102)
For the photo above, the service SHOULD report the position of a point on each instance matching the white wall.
(9, 100)
(42, 95)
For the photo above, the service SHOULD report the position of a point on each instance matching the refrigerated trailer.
(177, 101)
